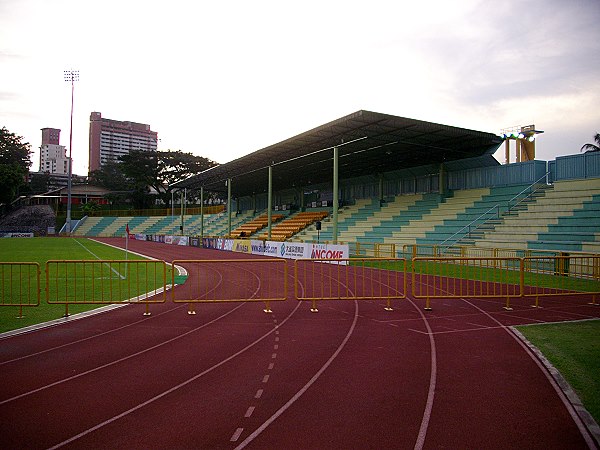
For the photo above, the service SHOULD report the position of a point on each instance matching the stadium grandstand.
(399, 184)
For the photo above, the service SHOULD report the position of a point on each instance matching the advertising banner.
(242, 246)
(293, 250)
(180, 240)
(16, 235)
(329, 251)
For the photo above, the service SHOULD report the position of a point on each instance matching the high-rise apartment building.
(53, 156)
(110, 139)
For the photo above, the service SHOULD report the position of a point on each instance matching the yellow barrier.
(20, 284)
(98, 282)
(466, 277)
(350, 279)
(561, 275)
(232, 280)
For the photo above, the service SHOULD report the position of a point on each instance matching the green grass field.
(574, 349)
(84, 285)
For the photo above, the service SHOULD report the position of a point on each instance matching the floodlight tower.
(524, 137)
(71, 76)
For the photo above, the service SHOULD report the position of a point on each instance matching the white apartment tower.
(53, 156)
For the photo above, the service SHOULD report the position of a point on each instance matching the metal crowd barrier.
(560, 276)
(98, 282)
(20, 284)
(350, 279)
(231, 280)
(466, 277)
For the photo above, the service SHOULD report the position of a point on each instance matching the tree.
(15, 159)
(11, 178)
(111, 177)
(592, 147)
(160, 170)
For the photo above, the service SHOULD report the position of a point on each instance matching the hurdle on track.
(455, 277)
(232, 280)
(103, 282)
(350, 279)
(20, 284)
(561, 275)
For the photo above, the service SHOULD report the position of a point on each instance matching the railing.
(156, 212)
(564, 278)
(496, 210)
(350, 279)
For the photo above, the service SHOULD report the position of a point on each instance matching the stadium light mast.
(70, 76)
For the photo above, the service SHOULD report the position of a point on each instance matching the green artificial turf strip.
(40, 250)
(574, 349)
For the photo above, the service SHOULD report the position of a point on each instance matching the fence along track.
(245, 280)
(266, 280)
(20, 284)
(350, 279)
(103, 282)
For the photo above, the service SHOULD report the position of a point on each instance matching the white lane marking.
(298, 394)
(561, 395)
(236, 435)
(432, 382)
(265, 378)
(274, 355)
(173, 389)
(249, 411)
(259, 393)
(271, 366)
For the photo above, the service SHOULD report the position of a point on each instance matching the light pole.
(71, 76)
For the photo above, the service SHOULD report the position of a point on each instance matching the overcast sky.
(222, 79)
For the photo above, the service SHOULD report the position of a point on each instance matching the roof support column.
(228, 207)
(201, 212)
(442, 179)
(335, 194)
(269, 202)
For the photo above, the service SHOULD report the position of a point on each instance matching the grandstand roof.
(368, 143)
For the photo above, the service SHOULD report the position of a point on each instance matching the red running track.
(350, 376)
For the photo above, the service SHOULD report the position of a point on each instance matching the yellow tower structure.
(524, 137)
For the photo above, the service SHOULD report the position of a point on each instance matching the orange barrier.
(466, 277)
(20, 284)
(87, 282)
(350, 279)
(561, 275)
(232, 280)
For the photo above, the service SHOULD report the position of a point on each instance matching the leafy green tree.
(592, 147)
(11, 179)
(160, 170)
(15, 159)
(111, 177)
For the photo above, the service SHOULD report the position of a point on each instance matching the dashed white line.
(249, 411)
(271, 366)
(236, 435)
(274, 355)
(265, 378)
(275, 347)
(259, 393)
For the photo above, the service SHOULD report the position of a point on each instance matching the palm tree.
(592, 147)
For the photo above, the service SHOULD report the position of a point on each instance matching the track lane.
(336, 410)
